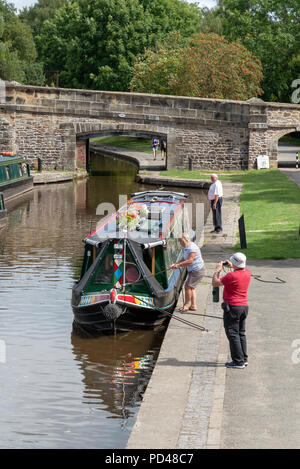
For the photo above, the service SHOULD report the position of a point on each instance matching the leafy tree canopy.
(208, 67)
(271, 30)
(94, 43)
(42, 10)
(17, 49)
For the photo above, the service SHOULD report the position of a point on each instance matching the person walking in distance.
(215, 195)
(163, 147)
(235, 306)
(155, 143)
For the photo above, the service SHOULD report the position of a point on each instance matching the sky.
(19, 4)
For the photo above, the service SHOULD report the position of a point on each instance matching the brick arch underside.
(84, 131)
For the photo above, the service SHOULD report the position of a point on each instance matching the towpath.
(144, 161)
(192, 400)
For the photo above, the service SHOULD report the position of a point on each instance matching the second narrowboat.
(15, 177)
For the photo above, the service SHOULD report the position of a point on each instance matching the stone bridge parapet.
(52, 123)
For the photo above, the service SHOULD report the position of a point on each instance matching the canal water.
(59, 390)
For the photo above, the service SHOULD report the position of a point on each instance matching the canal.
(60, 390)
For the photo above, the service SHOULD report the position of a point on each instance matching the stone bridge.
(55, 125)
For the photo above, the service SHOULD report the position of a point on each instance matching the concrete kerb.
(183, 403)
(50, 177)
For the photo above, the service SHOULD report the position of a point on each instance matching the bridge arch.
(85, 132)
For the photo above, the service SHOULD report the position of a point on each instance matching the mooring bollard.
(39, 164)
(190, 164)
(242, 232)
(297, 159)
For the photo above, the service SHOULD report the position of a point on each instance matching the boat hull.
(16, 188)
(94, 320)
(148, 313)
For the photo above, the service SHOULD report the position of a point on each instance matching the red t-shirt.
(236, 285)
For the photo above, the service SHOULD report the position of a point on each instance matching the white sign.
(263, 162)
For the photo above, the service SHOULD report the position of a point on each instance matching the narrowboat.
(126, 281)
(15, 175)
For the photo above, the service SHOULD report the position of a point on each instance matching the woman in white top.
(192, 259)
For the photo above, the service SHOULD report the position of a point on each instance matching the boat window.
(152, 227)
(21, 173)
(105, 273)
(132, 274)
(174, 249)
(7, 172)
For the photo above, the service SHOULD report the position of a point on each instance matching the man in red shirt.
(235, 306)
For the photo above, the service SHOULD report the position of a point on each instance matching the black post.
(39, 164)
(190, 164)
(242, 232)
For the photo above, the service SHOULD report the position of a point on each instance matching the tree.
(271, 30)
(94, 43)
(36, 14)
(208, 67)
(17, 49)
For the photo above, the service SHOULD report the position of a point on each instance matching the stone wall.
(215, 134)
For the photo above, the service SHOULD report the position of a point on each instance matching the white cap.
(214, 175)
(239, 260)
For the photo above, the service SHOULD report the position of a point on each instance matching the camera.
(225, 263)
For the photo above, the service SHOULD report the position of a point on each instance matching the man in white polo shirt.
(215, 195)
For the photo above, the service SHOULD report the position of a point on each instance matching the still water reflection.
(59, 390)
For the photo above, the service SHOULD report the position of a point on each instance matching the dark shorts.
(195, 277)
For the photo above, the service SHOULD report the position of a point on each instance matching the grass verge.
(130, 143)
(270, 203)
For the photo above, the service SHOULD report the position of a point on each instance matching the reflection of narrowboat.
(126, 281)
(117, 370)
(2, 211)
(15, 175)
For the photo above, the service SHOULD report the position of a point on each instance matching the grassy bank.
(130, 143)
(270, 203)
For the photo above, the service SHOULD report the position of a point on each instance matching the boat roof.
(11, 159)
(162, 207)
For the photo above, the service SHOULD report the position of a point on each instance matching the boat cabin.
(15, 175)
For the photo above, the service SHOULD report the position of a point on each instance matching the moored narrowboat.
(15, 177)
(126, 281)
